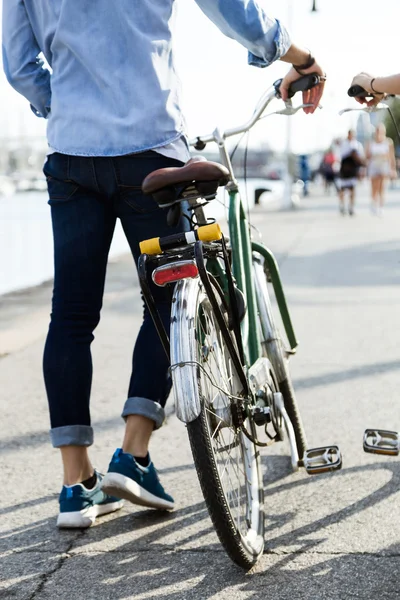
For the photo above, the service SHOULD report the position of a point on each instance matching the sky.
(219, 88)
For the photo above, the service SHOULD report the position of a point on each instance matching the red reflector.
(174, 272)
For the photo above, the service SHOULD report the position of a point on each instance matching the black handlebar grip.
(304, 83)
(358, 91)
(300, 85)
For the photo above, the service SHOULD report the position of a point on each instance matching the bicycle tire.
(272, 347)
(235, 507)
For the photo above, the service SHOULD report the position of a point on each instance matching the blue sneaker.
(79, 506)
(127, 479)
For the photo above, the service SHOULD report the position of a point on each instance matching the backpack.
(350, 166)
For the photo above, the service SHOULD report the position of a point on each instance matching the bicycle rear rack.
(380, 441)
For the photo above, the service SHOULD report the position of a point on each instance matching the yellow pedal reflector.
(209, 233)
(151, 246)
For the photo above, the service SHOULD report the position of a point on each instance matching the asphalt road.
(332, 537)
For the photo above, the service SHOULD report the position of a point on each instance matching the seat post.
(198, 211)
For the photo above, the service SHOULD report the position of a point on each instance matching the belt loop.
(115, 166)
(93, 168)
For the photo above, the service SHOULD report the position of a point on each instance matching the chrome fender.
(184, 370)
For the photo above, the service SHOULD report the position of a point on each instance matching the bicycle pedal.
(379, 441)
(322, 460)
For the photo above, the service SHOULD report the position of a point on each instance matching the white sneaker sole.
(85, 518)
(120, 486)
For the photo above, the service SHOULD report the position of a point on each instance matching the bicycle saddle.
(198, 178)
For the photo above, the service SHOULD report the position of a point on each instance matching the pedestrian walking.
(351, 159)
(381, 164)
(305, 173)
(329, 169)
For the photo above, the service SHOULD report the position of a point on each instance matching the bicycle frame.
(241, 243)
(247, 332)
(226, 274)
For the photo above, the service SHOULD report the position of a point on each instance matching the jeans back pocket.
(59, 185)
(134, 197)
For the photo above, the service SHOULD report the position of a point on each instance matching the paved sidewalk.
(332, 537)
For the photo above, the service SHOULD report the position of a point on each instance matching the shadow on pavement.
(372, 264)
(369, 370)
(39, 438)
(177, 555)
(35, 439)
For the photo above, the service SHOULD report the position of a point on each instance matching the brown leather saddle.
(198, 178)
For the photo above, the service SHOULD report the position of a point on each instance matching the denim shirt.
(112, 88)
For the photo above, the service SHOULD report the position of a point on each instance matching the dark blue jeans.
(87, 195)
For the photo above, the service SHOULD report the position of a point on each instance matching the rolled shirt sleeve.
(247, 22)
(21, 62)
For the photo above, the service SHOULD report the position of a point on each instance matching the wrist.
(306, 65)
(374, 87)
(295, 55)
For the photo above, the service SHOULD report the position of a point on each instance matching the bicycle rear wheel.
(226, 461)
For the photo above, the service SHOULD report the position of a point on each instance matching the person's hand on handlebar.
(364, 80)
(376, 86)
(303, 64)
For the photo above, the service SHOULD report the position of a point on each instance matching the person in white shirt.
(381, 163)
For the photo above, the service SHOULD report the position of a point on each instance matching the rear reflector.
(174, 272)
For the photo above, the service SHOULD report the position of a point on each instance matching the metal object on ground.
(380, 441)
(322, 460)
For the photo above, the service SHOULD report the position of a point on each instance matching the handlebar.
(356, 91)
(304, 83)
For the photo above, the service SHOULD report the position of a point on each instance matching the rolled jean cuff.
(146, 408)
(71, 435)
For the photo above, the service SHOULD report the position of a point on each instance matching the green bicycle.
(229, 365)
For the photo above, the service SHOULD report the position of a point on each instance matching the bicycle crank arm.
(322, 460)
(379, 441)
(259, 378)
(280, 407)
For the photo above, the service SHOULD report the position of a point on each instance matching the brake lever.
(367, 109)
(290, 109)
